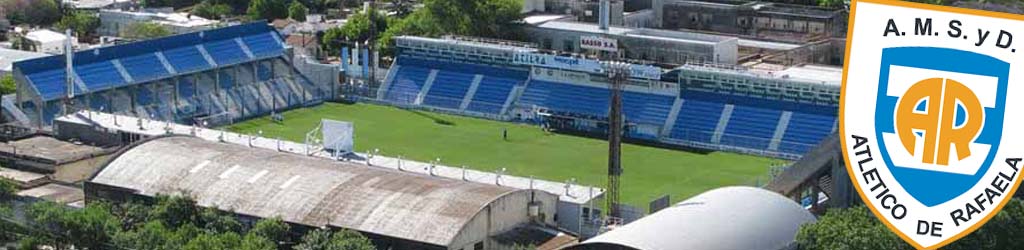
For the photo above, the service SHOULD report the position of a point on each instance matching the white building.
(112, 22)
(45, 41)
(98, 4)
(9, 56)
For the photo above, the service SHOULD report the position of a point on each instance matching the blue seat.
(186, 59)
(568, 98)
(407, 83)
(263, 45)
(493, 91)
(751, 127)
(100, 75)
(697, 120)
(144, 67)
(448, 89)
(644, 108)
(806, 130)
(226, 52)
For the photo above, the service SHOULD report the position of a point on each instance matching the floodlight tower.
(69, 76)
(617, 72)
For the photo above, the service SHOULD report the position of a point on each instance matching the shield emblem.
(926, 116)
(905, 73)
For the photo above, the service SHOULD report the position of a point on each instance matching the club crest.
(929, 105)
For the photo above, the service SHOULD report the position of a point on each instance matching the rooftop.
(567, 192)
(300, 189)
(45, 36)
(58, 193)
(679, 36)
(9, 56)
(723, 218)
(22, 178)
(48, 150)
(808, 73)
(92, 4)
(179, 19)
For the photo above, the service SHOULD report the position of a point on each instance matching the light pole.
(617, 72)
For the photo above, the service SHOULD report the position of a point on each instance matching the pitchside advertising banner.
(930, 112)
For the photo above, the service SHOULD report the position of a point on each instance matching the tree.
(267, 9)
(341, 240)
(486, 18)
(297, 11)
(273, 229)
(857, 228)
(210, 10)
(87, 228)
(175, 211)
(848, 229)
(8, 85)
(225, 241)
(145, 30)
(215, 221)
(81, 23)
(34, 12)
(356, 29)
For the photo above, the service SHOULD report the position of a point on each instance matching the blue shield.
(933, 187)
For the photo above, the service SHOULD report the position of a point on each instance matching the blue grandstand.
(694, 106)
(216, 76)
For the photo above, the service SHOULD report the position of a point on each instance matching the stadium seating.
(697, 121)
(262, 45)
(448, 89)
(646, 108)
(407, 83)
(805, 130)
(99, 76)
(452, 83)
(567, 98)
(225, 52)
(751, 127)
(493, 91)
(186, 59)
(144, 67)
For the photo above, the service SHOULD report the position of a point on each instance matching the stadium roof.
(567, 192)
(301, 189)
(144, 61)
(724, 218)
(669, 35)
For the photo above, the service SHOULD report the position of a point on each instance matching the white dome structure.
(720, 219)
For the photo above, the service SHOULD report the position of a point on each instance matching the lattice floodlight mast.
(617, 72)
(69, 76)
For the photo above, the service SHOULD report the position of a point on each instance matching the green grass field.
(477, 143)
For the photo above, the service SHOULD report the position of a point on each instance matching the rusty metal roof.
(299, 189)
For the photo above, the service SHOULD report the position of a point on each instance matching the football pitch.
(649, 172)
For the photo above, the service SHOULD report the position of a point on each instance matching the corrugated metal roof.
(724, 218)
(300, 189)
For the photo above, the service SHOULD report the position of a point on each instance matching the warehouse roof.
(300, 189)
(724, 218)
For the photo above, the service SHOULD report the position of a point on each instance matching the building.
(9, 56)
(723, 218)
(768, 20)
(584, 10)
(397, 210)
(95, 5)
(113, 22)
(663, 46)
(45, 41)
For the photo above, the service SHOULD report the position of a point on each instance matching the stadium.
(500, 116)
